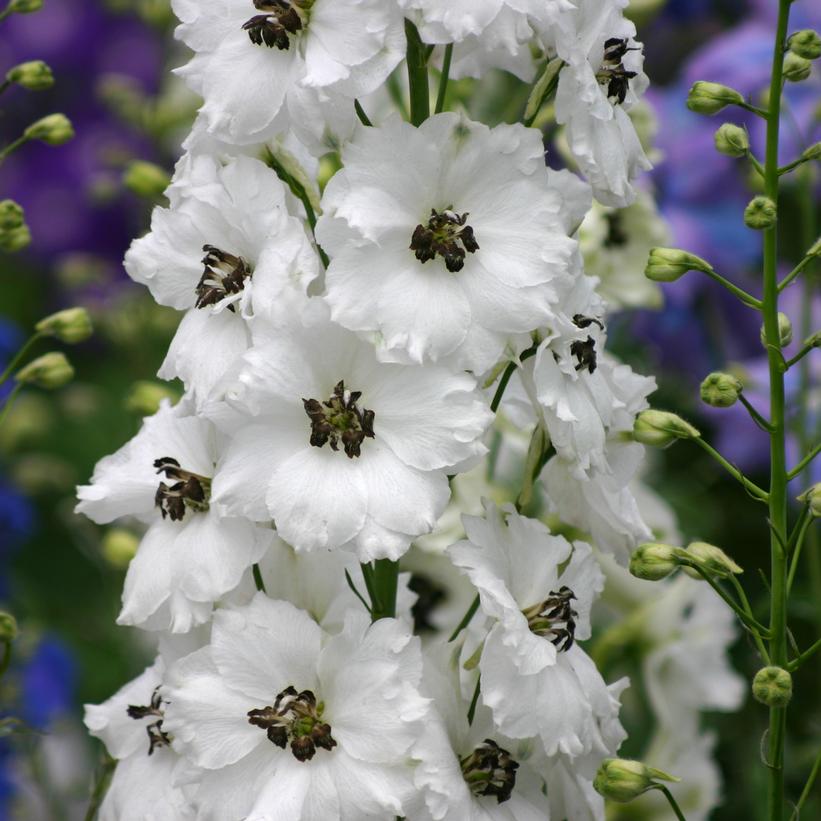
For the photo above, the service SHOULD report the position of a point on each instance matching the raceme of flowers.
(340, 357)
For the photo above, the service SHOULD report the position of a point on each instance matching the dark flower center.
(279, 20)
(295, 718)
(447, 234)
(157, 737)
(189, 491)
(429, 597)
(612, 73)
(554, 618)
(224, 274)
(585, 350)
(489, 770)
(616, 235)
(340, 419)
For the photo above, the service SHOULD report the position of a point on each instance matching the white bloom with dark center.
(191, 554)
(536, 680)
(291, 724)
(343, 451)
(250, 51)
(444, 240)
(226, 250)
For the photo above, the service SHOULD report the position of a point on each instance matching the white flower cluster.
(341, 359)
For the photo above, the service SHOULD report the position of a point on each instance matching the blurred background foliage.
(61, 576)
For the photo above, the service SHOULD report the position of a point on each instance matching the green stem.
(443, 80)
(756, 164)
(794, 164)
(471, 612)
(417, 75)
(804, 462)
(101, 781)
(6, 84)
(673, 802)
(805, 349)
(802, 657)
(754, 110)
(508, 373)
(751, 487)
(18, 356)
(360, 112)
(259, 584)
(795, 272)
(757, 417)
(6, 660)
(12, 146)
(805, 793)
(745, 604)
(384, 583)
(748, 299)
(9, 402)
(803, 523)
(474, 701)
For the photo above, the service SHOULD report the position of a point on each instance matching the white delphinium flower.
(276, 50)
(534, 677)
(343, 451)
(191, 553)
(226, 250)
(444, 240)
(291, 724)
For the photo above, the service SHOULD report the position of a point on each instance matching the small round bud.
(720, 390)
(11, 215)
(144, 397)
(71, 325)
(8, 627)
(773, 686)
(25, 6)
(711, 559)
(732, 140)
(146, 179)
(668, 264)
(784, 331)
(653, 561)
(621, 780)
(15, 239)
(55, 129)
(796, 68)
(119, 546)
(661, 428)
(51, 370)
(710, 98)
(805, 43)
(760, 214)
(34, 75)
(812, 497)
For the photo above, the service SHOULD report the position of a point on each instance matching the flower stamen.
(224, 275)
(489, 770)
(585, 350)
(554, 618)
(442, 235)
(189, 491)
(340, 419)
(157, 737)
(280, 19)
(612, 73)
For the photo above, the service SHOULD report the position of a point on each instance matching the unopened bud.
(25, 6)
(146, 179)
(15, 239)
(55, 129)
(51, 370)
(784, 331)
(760, 214)
(812, 497)
(119, 546)
(668, 264)
(711, 559)
(11, 215)
(71, 325)
(773, 686)
(622, 780)
(653, 561)
(815, 249)
(144, 397)
(34, 75)
(805, 43)
(8, 627)
(710, 98)
(662, 428)
(732, 140)
(796, 68)
(721, 390)
(812, 153)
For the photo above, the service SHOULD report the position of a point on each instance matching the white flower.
(274, 51)
(536, 680)
(444, 239)
(226, 249)
(191, 554)
(341, 450)
(294, 725)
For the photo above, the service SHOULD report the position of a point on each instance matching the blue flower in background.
(48, 680)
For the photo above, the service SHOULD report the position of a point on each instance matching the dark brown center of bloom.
(295, 718)
(189, 490)
(447, 234)
(612, 73)
(585, 350)
(340, 419)
(157, 737)
(224, 274)
(616, 234)
(554, 618)
(279, 20)
(489, 770)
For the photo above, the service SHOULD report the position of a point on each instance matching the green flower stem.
(753, 109)
(673, 803)
(360, 112)
(471, 612)
(756, 164)
(9, 402)
(508, 373)
(804, 522)
(785, 169)
(475, 700)
(385, 582)
(805, 793)
(752, 488)
(745, 604)
(12, 366)
(804, 462)
(802, 657)
(101, 781)
(417, 75)
(13, 146)
(258, 583)
(443, 80)
(757, 417)
(6, 84)
(748, 299)
(805, 349)
(795, 272)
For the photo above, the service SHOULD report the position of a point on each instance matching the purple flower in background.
(48, 681)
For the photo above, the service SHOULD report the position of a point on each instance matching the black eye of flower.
(447, 234)
(272, 28)
(340, 419)
(490, 770)
(224, 274)
(190, 491)
(157, 737)
(554, 618)
(612, 72)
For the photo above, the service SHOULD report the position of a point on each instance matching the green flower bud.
(25, 6)
(71, 326)
(796, 68)
(661, 428)
(15, 239)
(55, 129)
(784, 331)
(711, 559)
(805, 43)
(146, 179)
(812, 153)
(815, 249)
(34, 75)
(773, 686)
(622, 780)
(720, 390)
(119, 546)
(8, 627)
(11, 215)
(668, 264)
(51, 370)
(710, 98)
(653, 561)
(812, 497)
(732, 140)
(144, 397)
(760, 214)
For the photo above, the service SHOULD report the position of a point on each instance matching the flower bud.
(796, 68)
(760, 214)
(55, 129)
(711, 559)
(119, 546)
(146, 179)
(732, 140)
(11, 215)
(653, 561)
(815, 249)
(622, 780)
(25, 6)
(720, 390)
(144, 397)
(812, 497)
(71, 325)
(34, 75)
(805, 43)
(773, 686)
(51, 370)
(812, 153)
(668, 264)
(710, 98)
(661, 428)
(8, 627)
(15, 239)
(784, 331)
